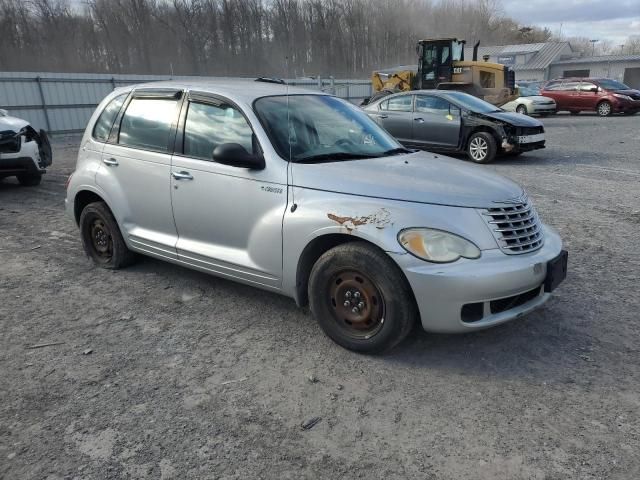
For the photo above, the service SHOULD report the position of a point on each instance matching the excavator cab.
(436, 59)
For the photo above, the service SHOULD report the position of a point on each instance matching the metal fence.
(64, 102)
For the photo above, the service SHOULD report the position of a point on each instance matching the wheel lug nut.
(355, 310)
(348, 294)
(361, 305)
(356, 295)
(347, 303)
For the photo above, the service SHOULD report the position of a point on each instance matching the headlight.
(623, 97)
(436, 245)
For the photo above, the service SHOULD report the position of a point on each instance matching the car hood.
(538, 98)
(417, 177)
(631, 92)
(12, 124)
(515, 119)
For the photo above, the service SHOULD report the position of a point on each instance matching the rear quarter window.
(103, 125)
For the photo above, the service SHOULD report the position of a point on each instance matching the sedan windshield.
(314, 128)
(608, 84)
(528, 91)
(470, 102)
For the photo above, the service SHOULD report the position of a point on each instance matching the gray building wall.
(615, 70)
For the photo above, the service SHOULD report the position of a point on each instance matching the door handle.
(182, 175)
(112, 162)
(383, 116)
(419, 120)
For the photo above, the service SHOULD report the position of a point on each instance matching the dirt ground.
(190, 376)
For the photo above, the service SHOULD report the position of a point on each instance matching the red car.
(602, 95)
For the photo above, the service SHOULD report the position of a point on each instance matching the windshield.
(323, 128)
(470, 102)
(528, 91)
(608, 84)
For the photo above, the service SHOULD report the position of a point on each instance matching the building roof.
(544, 53)
(601, 58)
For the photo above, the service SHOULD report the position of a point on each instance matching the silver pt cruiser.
(301, 193)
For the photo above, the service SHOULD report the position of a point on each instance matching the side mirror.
(595, 89)
(235, 155)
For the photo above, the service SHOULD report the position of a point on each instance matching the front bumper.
(543, 109)
(623, 106)
(442, 291)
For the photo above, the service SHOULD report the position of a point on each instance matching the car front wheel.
(604, 109)
(360, 298)
(101, 237)
(522, 109)
(481, 147)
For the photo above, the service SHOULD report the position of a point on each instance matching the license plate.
(556, 271)
(531, 138)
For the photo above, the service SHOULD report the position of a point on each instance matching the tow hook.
(506, 146)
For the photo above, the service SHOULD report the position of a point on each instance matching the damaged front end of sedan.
(24, 151)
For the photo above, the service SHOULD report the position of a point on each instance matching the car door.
(588, 96)
(229, 218)
(395, 115)
(436, 122)
(571, 95)
(135, 170)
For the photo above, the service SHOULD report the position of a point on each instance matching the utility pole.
(593, 46)
(622, 49)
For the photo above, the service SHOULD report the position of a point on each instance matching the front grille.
(529, 130)
(517, 228)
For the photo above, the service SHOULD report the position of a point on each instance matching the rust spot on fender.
(379, 219)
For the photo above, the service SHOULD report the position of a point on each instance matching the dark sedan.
(456, 122)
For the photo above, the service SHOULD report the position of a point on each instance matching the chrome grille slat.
(516, 228)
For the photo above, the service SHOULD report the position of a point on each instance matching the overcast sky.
(596, 19)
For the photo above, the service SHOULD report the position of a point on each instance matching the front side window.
(208, 126)
(426, 104)
(310, 128)
(147, 123)
(102, 128)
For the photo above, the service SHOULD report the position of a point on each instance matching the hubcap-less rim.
(356, 303)
(478, 148)
(101, 239)
(604, 108)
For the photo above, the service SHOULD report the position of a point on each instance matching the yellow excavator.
(441, 65)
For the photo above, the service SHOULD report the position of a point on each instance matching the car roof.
(238, 90)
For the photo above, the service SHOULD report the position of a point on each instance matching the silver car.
(530, 102)
(301, 193)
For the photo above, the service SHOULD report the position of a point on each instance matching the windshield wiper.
(334, 156)
(397, 151)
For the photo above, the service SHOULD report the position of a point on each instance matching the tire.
(359, 272)
(481, 147)
(604, 109)
(101, 237)
(30, 180)
(521, 109)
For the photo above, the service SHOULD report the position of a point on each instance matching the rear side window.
(553, 86)
(208, 126)
(147, 123)
(400, 104)
(569, 86)
(103, 125)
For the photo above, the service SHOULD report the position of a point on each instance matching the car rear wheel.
(481, 147)
(30, 180)
(604, 109)
(360, 298)
(521, 109)
(101, 237)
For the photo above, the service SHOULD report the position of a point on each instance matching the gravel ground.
(190, 376)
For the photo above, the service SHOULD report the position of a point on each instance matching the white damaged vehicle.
(24, 152)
